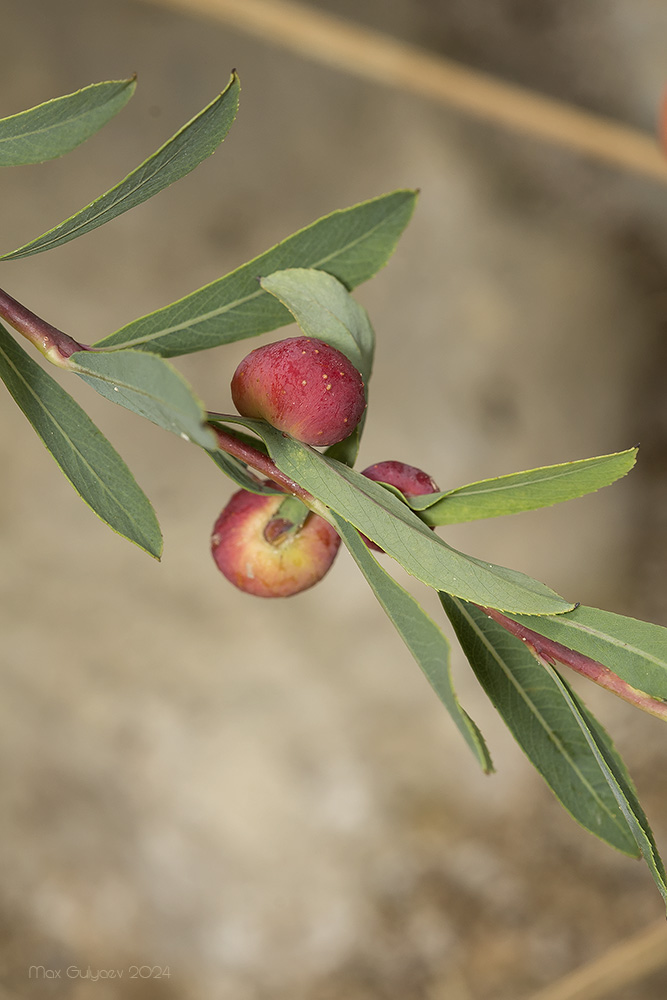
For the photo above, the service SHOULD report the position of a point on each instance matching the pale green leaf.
(521, 491)
(176, 158)
(420, 634)
(352, 244)
(147, 385)
(58, 126)
(323, 308)
(93, 467)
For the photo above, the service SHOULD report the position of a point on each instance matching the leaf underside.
(147, 385)
(421, 635)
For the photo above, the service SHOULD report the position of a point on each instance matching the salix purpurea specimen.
(291, 451)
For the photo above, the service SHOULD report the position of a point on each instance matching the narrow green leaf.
(149, 386)
(544, 721)
(324, 308)
(176, 158)
(521, 491)
(58, 126)
(94, 468)
(377, 513)
(635, 650)
(420, 634)
(351, 244)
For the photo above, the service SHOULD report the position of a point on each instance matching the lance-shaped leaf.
(633, 649)
(94, 468)
(523, 491)
(554, 733)
(420, 634)
(618, 780)
(149, 386)
(324, 308)
(176, 158)
(382, 517)
(352, 244)
(58, 126)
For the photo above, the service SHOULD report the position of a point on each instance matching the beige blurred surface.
(266, 797)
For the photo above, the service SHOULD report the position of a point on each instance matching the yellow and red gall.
(257, 565)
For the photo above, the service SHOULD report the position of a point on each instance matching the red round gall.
(410, 480)
(301, 386)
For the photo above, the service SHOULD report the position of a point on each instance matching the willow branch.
(553, 652)
(262, 463)
(55, 345)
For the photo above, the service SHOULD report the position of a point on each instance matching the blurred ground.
(269, 800)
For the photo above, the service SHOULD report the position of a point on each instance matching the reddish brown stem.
(57, 346)
(553, 652)
(251, 456)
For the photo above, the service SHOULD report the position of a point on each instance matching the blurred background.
(266, 797)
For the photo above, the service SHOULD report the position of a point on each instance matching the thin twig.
(624, 964)
(262, 463)
(373, 55)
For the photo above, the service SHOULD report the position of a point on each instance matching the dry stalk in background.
(375, 56)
